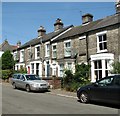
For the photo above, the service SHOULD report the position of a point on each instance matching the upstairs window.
(67, 48)
(37, 52)
(47, 50)
(22, 56)
(15, 55)
(28, 53)
(101, 42)
(54, 51)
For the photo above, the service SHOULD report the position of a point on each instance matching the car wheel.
(14, 86)
(84, 98)
(27, 88)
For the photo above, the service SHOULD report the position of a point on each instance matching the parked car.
(104, 90)
(29, 82)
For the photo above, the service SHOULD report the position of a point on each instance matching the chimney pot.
(18, 44)
(41, 31)
(87, 18)
(58, 24)
(117, 6)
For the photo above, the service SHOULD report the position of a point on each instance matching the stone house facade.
(94, 42)
(35, 55)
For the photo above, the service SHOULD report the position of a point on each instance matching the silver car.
(29, 82)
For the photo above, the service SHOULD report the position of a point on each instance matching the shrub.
(81, 77)
(67, 79)
(6, 74)
(116, 68)
(22, 70)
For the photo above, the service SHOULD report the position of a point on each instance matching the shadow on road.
(104, 104)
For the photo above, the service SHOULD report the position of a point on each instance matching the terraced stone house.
(35, 55)
(94, 42)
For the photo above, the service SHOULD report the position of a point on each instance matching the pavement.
(63, 93)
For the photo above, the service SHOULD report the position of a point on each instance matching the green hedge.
(6, 74)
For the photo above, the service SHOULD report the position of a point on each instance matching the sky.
(21, 20)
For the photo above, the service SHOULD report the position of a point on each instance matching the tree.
(7, 60)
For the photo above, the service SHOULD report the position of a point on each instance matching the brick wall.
(54, 82)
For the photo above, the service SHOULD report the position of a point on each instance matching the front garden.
(71, 82)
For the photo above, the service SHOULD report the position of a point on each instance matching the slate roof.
(6, 46)
(78, 30)
(94, 25)
(45, 38)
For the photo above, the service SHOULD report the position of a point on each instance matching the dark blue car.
(105, 90)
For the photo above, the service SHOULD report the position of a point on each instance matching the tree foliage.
(81, 77)
(116, 68)
(7, 60)
(22, 70)
(6, 74)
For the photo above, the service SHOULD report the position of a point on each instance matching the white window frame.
(36, 52)
(15, 55)
(82, 37)
(69, 48)
(28, 54)
(22, 55)
(37, 68)
(32, 68)
(103, 57)
(61, 70)
(47, 50)
(100, 34)
(54, 50)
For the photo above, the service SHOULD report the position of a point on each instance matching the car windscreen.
(32, 77)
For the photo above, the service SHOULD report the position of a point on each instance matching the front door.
(28, 70)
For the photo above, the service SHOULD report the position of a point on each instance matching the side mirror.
(23, 79)
(96, 84)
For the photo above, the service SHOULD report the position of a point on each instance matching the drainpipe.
(87, 52)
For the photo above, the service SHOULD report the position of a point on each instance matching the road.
(21, 102)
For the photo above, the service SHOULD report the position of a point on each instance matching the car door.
(22, 82)
(17, 81)
(114, 93)
(101, 89)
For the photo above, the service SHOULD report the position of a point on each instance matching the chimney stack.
(41, 31)
(18, 44)
(117, 6)
(58, 24)
(87, 18)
